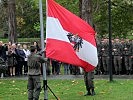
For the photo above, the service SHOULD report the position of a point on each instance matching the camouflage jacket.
(34, 63)
(131, 49)
(126, 49)
(117, 49)
(104, 49)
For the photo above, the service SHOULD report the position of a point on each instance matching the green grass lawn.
(70, 90)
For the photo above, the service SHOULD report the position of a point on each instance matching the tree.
(122, 19)
(27, 15)
(12, 21)
(3, 17)
(86, 11)
(28, 18)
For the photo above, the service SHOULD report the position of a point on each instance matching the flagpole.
(110, 42)
(42, 47)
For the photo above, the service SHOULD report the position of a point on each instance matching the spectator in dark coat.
(20, 59)
(2, 51)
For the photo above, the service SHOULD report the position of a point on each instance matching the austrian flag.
(69, 39)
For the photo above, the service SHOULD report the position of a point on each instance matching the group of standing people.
(17, 58)
(15, 55)
(122, 56)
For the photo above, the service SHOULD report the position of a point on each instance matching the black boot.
(88, 93)
(93, 92)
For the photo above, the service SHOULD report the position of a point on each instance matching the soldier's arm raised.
(42, 59)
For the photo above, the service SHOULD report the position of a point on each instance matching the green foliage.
(28, 22)
(122, 19)
(100, 17)
(29, 12)
(71, 5)
(37, 26)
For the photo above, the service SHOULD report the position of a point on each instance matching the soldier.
(113, 57)
(34, 83)
(123, 57)
(99, 50)
(117, 51)
(131, 57)
(105, 58)
(88, 79)
(127, 55)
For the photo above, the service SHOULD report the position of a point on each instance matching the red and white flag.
(69, 39)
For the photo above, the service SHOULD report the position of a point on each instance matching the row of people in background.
(122, 56)
(68, 69)
(16, 56)
(122, 59)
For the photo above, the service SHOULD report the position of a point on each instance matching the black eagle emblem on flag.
(76, 41)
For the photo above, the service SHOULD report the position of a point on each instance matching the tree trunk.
(86, 11)
(12, 21)
(80, 8)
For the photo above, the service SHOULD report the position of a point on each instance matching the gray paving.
(70, 77)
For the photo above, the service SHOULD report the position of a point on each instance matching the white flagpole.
(42, 47)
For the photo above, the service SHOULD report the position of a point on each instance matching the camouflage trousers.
(34, 87)
(88, 79)
(128, 62)
(105, 62)
(117, 63)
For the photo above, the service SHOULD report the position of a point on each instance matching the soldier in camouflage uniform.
(99, 51)
(127, 55)
(34, 83)
(117, 51)
(88, 79)
(105, 58)
(131, 57)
